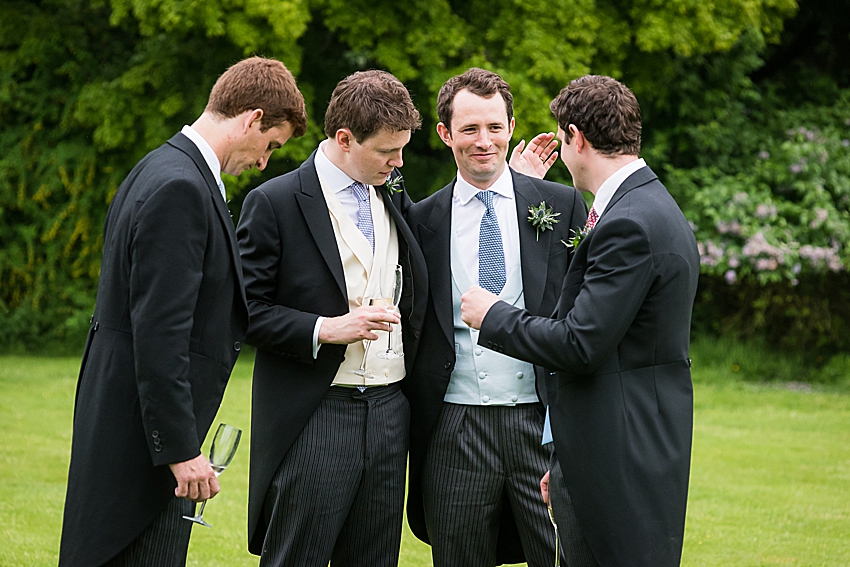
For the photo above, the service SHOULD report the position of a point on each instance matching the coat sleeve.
(618, 277)
(167, 260)
(274, 327)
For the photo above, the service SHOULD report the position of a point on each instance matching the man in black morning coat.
(476, 455)
(620, 394)
(329, 447)
(167, 328)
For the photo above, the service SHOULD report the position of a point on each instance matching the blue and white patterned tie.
(491, 256)
(364, 212)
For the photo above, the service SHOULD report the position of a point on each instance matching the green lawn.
(770, 482)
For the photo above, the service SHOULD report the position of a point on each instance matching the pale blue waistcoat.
(482, 376)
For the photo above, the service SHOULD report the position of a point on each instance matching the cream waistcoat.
(361, 281)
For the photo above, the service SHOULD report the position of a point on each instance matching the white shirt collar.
(607, 189)
(208, 154)
(333, 177)
(503, 186)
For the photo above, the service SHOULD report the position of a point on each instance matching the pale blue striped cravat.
(364, 212)
(491, 255)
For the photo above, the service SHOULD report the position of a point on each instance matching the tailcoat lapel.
(436, 245)
(315, 210)
(640, 177)
(534, 249)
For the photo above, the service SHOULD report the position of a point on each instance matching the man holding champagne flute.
(329, 421)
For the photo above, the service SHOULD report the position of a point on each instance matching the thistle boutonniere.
(394, 184)
(577, 237)
(542, 218)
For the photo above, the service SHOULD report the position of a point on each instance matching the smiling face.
(254, 147)
(479, 137)
(373, 160)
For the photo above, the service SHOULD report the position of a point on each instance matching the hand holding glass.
(366, 344)
(223, 448)
(390, 285)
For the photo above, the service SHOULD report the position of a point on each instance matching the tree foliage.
(87, 87)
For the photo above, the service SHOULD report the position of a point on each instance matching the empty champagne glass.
(390, 286)
(366, 344)
(223, 448)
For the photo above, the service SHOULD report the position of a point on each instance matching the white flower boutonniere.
(542, 218)
(394, 184)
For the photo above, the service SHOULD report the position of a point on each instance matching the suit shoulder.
(421, 208)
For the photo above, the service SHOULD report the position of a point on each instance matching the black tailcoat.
(620, 393)
(293, 274)
(167, 328)
(544, 261)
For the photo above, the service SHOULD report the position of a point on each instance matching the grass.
(770, 481)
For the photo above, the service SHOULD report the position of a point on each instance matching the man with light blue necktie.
(476, 456)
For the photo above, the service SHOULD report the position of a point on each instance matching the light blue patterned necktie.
(491, 255)
(364, 212)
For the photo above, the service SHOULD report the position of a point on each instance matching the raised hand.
(536, 159)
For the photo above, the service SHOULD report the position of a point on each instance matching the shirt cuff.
(316, 344)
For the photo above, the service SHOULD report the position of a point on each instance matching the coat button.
(478, 352)
(237, 346)
(482, 375)
(157, 448)
(485, 399)
(447, 366)
(519, 375)
(513, 399)
(154, 433)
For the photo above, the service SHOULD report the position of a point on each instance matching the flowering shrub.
(785, 217)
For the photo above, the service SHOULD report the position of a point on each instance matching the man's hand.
(357, 325)
(544, 487)
(196, 479)
(475, 304)
(537, 158)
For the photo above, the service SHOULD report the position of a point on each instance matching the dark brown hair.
(262, 83)
(367, 102)
(604, 110)
(479, 82)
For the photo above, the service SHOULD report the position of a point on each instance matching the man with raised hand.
(476, 456)
(167, 328)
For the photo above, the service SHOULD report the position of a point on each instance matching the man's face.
(479, 136)
(373, 160)
(256, 147)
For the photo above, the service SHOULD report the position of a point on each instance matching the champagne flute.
(390, 286)
(557, 537)
(366, 344)
(223, 448)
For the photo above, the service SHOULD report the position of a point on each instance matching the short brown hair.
(367, 102)
(604, 110)
(262, 83)
(479, 82)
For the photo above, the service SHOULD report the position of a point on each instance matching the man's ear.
(578, 138)
(344, 139)
(445, 134)
(251, 117)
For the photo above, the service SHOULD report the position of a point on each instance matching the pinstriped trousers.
(163, 543)
(476, 454)
(338, 495)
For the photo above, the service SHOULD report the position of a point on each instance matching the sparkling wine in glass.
(390, 286)
(223, 448)
(366, 344)
(557, 537)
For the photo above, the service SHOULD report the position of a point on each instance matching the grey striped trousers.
(476, 455)
(338, 495)
(163, 543)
